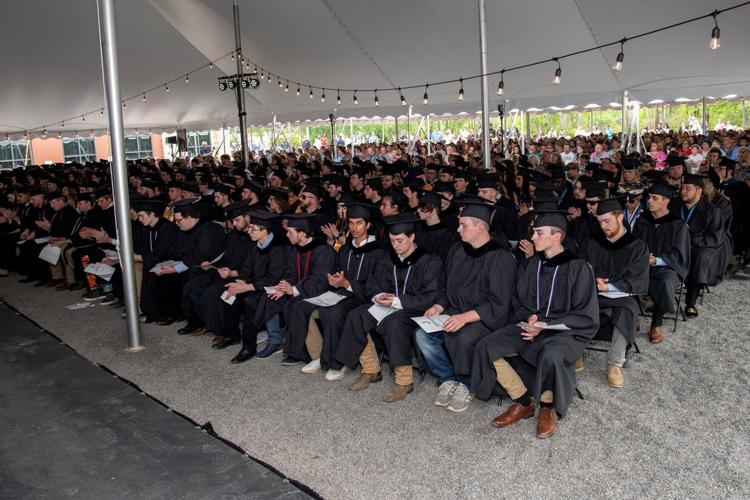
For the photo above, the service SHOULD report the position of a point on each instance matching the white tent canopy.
(52, 68)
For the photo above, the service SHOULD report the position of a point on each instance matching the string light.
(187, 78)
(558, 73)
(338, 97)
(25, 134)
(269, 77)
(77, 135)
(83, 118)
(144, 97)
(124, 105)
(354, 98)
(44, 133)
(323, 96)
(262, 74)
(715, 34)
(281, 85)
(403, 100)
(286, 88)
(501, 83)
(211, 65)
(311, 93)
(461, 90)
(297, 89)
(425, 98)
(620, 57)
(166, 87)
(377, 101)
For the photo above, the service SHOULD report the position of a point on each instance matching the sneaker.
(290, 361)
(445, 393)
(461, 399)
(691, 312)
(336, 375)
(743, 274)
(579, 364)
(269, 351)
(615, 377)
(93, 296)
(312, 367)
(109, 299)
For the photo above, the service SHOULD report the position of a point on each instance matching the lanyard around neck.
(689, 214)
(538, 288)
(406, 280)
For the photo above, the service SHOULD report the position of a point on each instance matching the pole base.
(138, 348)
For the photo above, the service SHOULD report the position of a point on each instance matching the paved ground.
(72, 430)
(678, 429)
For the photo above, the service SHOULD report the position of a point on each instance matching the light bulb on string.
(403, 100)
(461, 90)
(281, 85)
(715, 42)
(166, 87)
(311, 93)
(558, 73)
(124, 104)
(323, 96)
(286, 88)
(354, 98)
(338, 97)
(83, 118)
(44, 133)
(211, 65)
(620, 57)
(187, 78)
(501, 83)
(25, 135)
(144, 97)
(262, 74)
(425, 97)
(269, 77)
(77, 134)
(377, 101)
(298, 90)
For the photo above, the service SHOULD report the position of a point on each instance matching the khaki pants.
(138, 279)
(314, 339)
(59, 271)
(403, 374)
(66, 256)
(512, 383)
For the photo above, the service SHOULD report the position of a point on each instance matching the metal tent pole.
(486, 143)
(242, 114)
(429, 136)
(704, 124)
(623, 121)
(110, 73)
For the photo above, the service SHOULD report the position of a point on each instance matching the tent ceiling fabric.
(56, 73)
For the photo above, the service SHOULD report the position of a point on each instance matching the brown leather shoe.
(579, 365)
(398, 393)
(615, 377)
(513, 414)
(75, 287)
(200, 331)
(216, 339)
(62, 287)
(655, 335)
(364, 380)
(546, 425)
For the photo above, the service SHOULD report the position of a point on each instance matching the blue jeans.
(273, 327)
(432, 346)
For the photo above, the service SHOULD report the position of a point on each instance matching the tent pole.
(408, 129)
(484, 85)
(429, 136)
(240, 91)
(351, 134)
(623, 121)
(744, 115)
(273, 135)
(397, 136)
(110, 72)
(528, 126)
(703, 115)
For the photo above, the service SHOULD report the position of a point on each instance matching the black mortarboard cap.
(675, 160)
(303, 222)
(235, 209)
(154, 205)
(55, 194)
(554, 218)
(608, 205)
(314, 189)
(661, 188)
(653, 175)
(361, 210)
(694, 179)
(442, 187)
(401, 223)
(478, 210)
(102, 191)
(262, 218)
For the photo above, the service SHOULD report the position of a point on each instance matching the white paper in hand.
(104, 271)
(51, 254)
(615, 295)
(269, 290)
(326, 299)
(380, 312)
(226, 298)
(432, 324)
(43, 239)
(560, 327)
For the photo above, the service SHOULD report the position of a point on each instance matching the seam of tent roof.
(597, 42)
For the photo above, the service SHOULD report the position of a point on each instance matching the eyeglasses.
(177, 221)
(596, 202)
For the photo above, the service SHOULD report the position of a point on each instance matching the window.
(137, 147)
(14, 154)
(79, 149)
(195, 141)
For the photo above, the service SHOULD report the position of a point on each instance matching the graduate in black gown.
(160, 244)
(434, 235)
(668, 242)
(263, 267)
(707, 235)
(479, 279)
(309, 261)
(403, 285)
(621, 265)
(356, 261)
(553, 287)
(219, 273)
(32, 225)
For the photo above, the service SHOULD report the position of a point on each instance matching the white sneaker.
(445, 393)
(312, 367)
(336, 375)
(461, 399)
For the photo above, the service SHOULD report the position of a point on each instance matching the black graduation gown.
(625, 264)
(667, 238)
(29, 250)
(62, 222)
(306, 269)
(725, 208)
(417, 282)
(160, 295)
(436, 239)
(707, 237)
(204, 242)
(559, 290)
(479, 279)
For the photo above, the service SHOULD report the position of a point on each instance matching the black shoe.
(188, 329)
(691, 312)
(27, 280)
(225, 342)
(243, 356)
(109, 299)
(164, 322)
(117, 303)
(290, 361)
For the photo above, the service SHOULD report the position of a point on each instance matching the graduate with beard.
(406, 283)
(479, 278)
(309, 261)
(356, 261)
(707, 238)
(553, 287)
(621, 267)
(668, 241)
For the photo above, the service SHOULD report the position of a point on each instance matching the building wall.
(49, 149)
